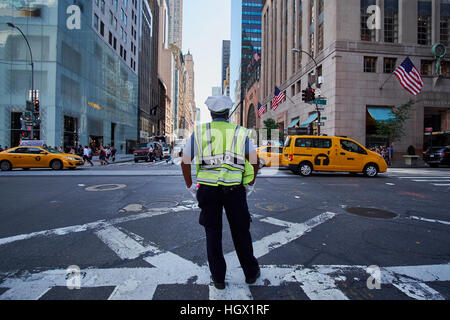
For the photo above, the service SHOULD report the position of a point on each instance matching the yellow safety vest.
(220, 154)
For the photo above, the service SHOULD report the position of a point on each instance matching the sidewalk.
(119, 159)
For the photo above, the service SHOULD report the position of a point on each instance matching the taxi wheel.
(371, 170)
(5, 166)
(305, 169)
(56, 165)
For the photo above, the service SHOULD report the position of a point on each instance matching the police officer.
(226, 166)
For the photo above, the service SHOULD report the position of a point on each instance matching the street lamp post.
(315, 62)
(31, 56)
(32, 72)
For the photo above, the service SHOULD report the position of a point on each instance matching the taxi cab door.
(18, 157)
(32, 158)
(323, 156)
(351, 156)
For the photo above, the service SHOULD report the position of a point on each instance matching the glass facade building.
(87, 92)
(245, 42)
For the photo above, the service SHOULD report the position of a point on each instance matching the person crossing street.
(226, 167)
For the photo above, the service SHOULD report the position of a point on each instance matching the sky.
(205, 24)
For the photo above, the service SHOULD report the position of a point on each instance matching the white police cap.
(219, 104)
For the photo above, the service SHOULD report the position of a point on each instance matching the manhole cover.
(371, 213)
(106, 187)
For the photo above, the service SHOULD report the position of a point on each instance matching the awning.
(294, 123)
(381, 114)
(311, 118)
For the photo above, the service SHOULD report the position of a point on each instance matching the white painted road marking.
(409, 279)
(318, 282)
(429, 220)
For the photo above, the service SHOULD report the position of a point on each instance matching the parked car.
(142, 149)
(305, 154)
(437, 156)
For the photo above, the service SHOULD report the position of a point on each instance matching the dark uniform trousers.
(212, 200)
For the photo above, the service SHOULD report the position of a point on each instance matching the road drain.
(371, 213)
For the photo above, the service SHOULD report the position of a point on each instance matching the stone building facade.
(354, 61)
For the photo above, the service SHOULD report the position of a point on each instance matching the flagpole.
(381, 88)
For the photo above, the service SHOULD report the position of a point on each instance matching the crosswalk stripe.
(441, 185)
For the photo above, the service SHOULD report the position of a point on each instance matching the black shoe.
(253, 279)
(219, 285)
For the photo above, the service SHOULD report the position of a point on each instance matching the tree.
(393, 129)
(269, 125)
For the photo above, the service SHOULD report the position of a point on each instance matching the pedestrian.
(108, 153)
(113, 153)
(150, 153)
(170, 153)
(391, 153)
(72, 150)
(87, 155)
(1, 149)
(225, 177)
(102, 156)
(61, 149)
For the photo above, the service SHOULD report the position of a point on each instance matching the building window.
(125, 55)
(111, 18)
(312, 21)
(299, 86)
(366, 33)
(391, 21)
(121, 51)
(426, 68)
(102, 6)
(445, 69)
(115, 5)
(115, 43)
(95, 22)
(293, 90)
(424, 24)
(389, 65)
(445, 22)
(321, 28)
(110, 39)
(102, 28)
(370, 64)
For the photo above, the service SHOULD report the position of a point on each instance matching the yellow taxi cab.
(305, 154)
(33, 156)
(270, 156)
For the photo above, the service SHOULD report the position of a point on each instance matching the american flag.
(409, 77)
(278, 97)
(261, 110)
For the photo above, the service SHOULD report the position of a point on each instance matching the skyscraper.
(225, 64)
(176, 22)
(86, 76)
(245, 42)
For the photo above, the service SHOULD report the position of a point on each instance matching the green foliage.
(269, 125)
(394, 129)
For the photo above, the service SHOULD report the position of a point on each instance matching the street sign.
(321, 124)
(320, 101)
(320, 108)
(324, 118)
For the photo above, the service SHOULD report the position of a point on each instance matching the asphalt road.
(133, 232)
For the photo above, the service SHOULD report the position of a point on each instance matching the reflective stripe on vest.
(221, 169)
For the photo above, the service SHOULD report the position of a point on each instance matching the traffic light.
(36, 106)
(30, 105)
(309, 94)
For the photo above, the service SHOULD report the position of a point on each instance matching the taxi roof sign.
(32, 143)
